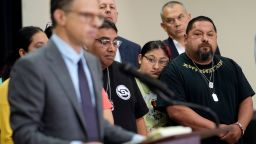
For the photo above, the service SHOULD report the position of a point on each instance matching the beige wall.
(35, 12)
(139, 21)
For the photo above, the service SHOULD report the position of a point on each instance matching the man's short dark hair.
(199, 18)
(170, 4)
(59, 4)
(107, 24)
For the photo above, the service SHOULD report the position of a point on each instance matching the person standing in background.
(128, 104)
(198, 76)
(29, 39)
(154, 56)
(128, 51)
(175, 18)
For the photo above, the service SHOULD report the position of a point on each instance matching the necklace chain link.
(210, 81)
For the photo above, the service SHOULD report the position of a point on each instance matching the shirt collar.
(66, 50)
(176, 42)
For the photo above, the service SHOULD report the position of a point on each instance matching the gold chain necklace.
(208, 81)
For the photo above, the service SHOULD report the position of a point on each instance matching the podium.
(191, 138)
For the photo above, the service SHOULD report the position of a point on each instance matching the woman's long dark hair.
(151, 45)
(23, 40)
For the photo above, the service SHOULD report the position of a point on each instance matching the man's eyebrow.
(104, 38)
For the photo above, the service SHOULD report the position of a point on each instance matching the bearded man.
(201, 77)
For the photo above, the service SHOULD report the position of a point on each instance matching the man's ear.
(163, 26)
(185, 38)
(22, 52)
(139, 59)
(189, 16)
(59, 16)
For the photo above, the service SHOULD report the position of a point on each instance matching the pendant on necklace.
(215, 97)
(211, 85)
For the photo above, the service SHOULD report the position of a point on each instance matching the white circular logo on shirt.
(123, 92)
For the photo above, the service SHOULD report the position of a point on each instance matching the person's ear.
(185, 38)
(59, 16)
(189, 16)
(163, 26)
(22, 52)
(139, 59)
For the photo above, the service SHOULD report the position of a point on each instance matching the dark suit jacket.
(174, 52)
(129, 52)
(44, 106)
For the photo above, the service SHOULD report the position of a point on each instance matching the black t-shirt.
(128, 102)
(230, 85)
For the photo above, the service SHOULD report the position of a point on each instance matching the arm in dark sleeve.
(244, 88)
(245, 93)
(26, 98)
(115, 134)
(181, 114)
(172, 78)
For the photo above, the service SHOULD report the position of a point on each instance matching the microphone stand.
(191, 105)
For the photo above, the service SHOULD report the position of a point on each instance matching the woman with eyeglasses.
(153, 58)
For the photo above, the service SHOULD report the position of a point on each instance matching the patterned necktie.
(88, 109)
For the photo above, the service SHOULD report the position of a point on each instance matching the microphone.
(152, 83)
(163, 91)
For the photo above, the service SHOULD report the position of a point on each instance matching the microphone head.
(151, 82)
(125, 67)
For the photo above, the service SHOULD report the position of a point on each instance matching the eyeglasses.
(154, 61)
(106, 43)
(90, 17)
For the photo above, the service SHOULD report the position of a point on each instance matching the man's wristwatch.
(240, 126)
